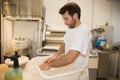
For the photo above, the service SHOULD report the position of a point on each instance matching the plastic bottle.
(102, 42)
(14, 73)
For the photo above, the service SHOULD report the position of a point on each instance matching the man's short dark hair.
(72, 8)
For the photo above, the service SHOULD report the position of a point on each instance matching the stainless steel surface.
(103, 64)
(31, 8)
(108, 64)
(11, 7)
(22, 8)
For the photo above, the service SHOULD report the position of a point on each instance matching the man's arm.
(61, 49)
(62, 61)
(56, 55)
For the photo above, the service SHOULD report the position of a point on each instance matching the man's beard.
(73, 23)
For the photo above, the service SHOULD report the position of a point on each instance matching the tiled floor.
(101, 79)
(110, 78)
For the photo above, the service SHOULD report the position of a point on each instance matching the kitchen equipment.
(22, 44)
(94, 42)
(44, 35)
(97, 39)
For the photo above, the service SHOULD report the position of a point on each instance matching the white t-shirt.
(78, 39)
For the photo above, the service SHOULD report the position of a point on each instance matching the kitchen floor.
(109, 78)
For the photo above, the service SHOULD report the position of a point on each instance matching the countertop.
(93, 61)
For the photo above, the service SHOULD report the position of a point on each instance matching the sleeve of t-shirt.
(81, 42)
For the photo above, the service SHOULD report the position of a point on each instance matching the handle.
(44, 35)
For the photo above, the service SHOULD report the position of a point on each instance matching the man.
(76, 41)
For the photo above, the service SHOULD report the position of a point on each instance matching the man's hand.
(44, 66)
(52, 58)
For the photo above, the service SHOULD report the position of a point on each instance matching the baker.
(76, 41)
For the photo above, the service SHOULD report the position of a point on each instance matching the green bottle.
(14, 73)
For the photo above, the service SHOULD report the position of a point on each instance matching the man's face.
(68, 20)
